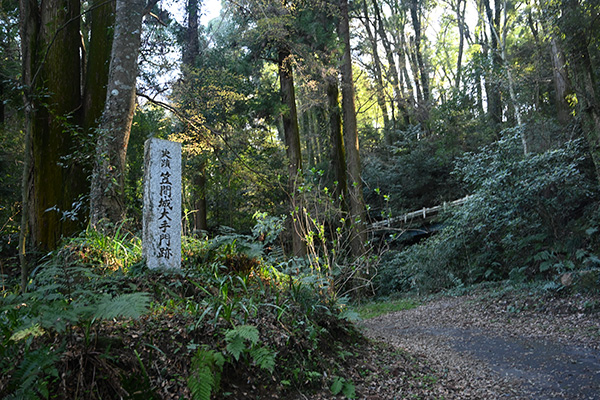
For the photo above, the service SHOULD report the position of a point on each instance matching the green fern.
(264, 358)
(236, 338)
(32, 376)
(205, 375)
(128, 305)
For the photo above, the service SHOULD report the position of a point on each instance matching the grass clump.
(377, 308)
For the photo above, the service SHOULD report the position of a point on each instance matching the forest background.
(305, 126)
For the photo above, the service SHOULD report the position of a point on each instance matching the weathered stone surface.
(161, 238)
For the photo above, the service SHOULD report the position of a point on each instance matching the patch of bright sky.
(209, 10)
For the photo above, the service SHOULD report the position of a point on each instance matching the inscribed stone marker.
(161, 236)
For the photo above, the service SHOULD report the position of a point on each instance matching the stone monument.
(161, 236)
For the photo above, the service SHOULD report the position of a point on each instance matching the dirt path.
(493, 348)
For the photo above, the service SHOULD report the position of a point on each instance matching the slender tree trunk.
(379, 87)
(107, 193)
(2, 108)
(338, 151)
(292, 141)
(460, 19)
(357, 205)
(494, 97)
(191, 52)
(415, 12)
(504, 63)
(393, 75)
(200, 217)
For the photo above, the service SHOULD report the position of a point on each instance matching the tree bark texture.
(191, 53)
(338, 151)
(460, 20)
(98, 63)
(578, 28)
(415, 13)
(377, 68)
(562, 85)
(292, 141)
(54, 179)
(356, 201)
(107, 193)
(393, 76)
(494, 94)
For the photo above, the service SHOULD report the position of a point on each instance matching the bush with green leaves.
(413, 172)
(72, 290)
(520, 209)
(96, 323)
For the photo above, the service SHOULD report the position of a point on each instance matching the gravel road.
(502, 348)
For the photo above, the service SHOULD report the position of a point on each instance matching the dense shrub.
(519, 222)
(414, 172)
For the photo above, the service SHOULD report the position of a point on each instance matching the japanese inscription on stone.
(162, 204)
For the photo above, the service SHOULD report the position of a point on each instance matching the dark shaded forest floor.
(489, 345)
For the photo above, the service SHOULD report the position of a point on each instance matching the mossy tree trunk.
(338, 152)
(55, 179)
(292, 142)
(356, 201)
(108, 178)
(55, 66)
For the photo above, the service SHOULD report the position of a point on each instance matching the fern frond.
(236, 337)
(235, 347)
(205, 375)
(29, 376)
(246, 332)
(264, 358)
(128, 305)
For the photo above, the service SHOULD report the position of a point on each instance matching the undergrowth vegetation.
(528, 218)
(94, 323)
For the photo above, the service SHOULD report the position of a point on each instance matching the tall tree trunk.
(415, 13)
(460, 19)
(51, 73)
(191, 52)
(292, 141)
(562, 85)
(97, 68)
(494, 97)
(379, 87)
(108, 178)
(393, 75)
(338, 151)
(357, 205)
(585, 88)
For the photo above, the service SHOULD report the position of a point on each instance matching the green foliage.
(72, 289)
(344, 386)
(236, 339)
(205, 375)
(516, 223)
(414, 172)
(31, 378)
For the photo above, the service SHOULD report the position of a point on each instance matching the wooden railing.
(423, 214)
